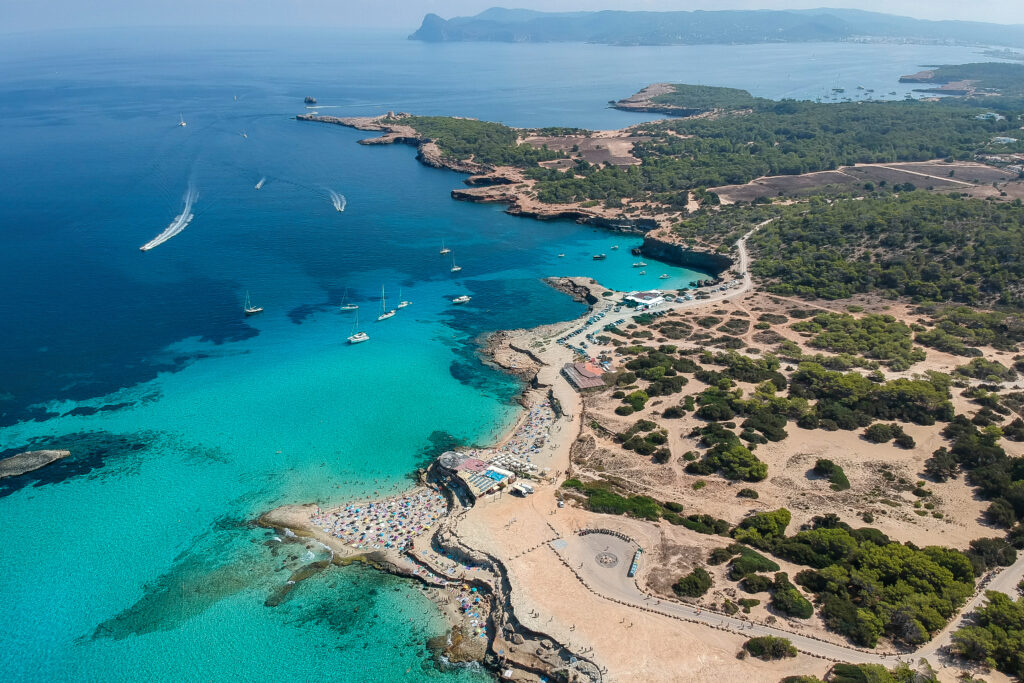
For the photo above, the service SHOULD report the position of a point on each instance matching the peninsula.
(809, 466)
(709, 27)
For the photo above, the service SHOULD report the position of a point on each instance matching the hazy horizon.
(405, 15)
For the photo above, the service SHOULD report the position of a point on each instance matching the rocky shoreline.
(508, 185)
(511, 649)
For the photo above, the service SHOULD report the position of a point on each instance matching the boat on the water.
(346, 305)
(642, 272)
(639, 264)
(401, 302)
(663, 276)
(561, 256)
(600, 257)
(461, 299)
(259, 185)
(444, 249)
(455, 268)
(384, 312)
(249, 308)
(357, 337)
(181, 120)
(614, 247)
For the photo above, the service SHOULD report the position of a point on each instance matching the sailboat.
(384, 312)
(357, 337)
(401, 303)
(181, 120)
(345, 305)
(249, 308)
(444, 249)
(455, 268)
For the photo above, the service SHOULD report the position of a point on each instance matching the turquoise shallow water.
(135, 559)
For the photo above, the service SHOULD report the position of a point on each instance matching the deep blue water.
(134, 559)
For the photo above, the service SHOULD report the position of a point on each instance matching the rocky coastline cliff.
(508, 185)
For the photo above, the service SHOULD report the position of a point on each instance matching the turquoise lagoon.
(136, 558)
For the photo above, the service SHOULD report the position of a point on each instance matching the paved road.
(613, 584)
(609, 585)
(1004, 582)
(747, 284)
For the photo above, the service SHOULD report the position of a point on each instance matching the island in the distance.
(725, 27)
(809, 463)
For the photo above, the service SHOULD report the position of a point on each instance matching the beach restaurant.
(478, 477)
(647, 299)
(583, 375)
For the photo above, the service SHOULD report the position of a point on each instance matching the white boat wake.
(338, 200)
(179, 223)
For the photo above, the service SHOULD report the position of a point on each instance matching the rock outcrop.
(22, 463)
(659, 246)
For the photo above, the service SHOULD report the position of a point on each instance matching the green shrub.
(756, 583)
(833, 472)
(694, 584)
(769, 648)
(747, 493)
(750, 562)
(786, 598)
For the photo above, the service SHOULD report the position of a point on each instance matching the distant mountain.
(704, 27)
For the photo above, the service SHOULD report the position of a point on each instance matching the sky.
(405, 15)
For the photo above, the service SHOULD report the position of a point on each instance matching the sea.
(136, 558)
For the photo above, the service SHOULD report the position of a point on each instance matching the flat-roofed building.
(583, 375)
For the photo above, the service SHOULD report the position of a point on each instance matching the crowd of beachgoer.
(472, 606)
(528, 440)
(386, 524)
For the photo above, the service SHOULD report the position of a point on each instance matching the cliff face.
(657, 247)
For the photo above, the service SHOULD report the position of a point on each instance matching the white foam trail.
(260, 183)
(338, 200)
(179, 223)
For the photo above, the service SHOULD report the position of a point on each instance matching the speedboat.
(461, 299)
(663, 276)
(600, 257)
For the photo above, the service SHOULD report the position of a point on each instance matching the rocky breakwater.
(663, 246)
(28, 461)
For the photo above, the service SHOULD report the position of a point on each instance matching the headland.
(753, 465)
